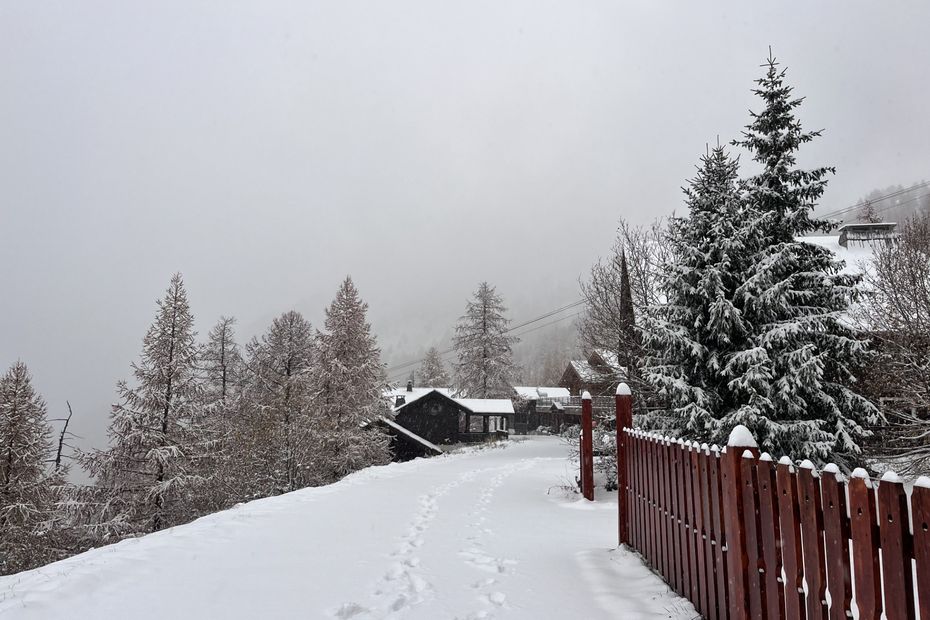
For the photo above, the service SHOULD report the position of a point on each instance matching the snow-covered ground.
(483, 534)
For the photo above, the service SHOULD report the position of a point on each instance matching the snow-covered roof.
(610, 358)
(498, 406)
(535, 393)
(587, 372)
(857, 258)
(414, 394)
(411, 435)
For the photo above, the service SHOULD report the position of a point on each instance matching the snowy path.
(485, 534)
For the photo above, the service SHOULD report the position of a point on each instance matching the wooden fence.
(742, 536)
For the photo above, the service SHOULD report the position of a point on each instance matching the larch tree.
(148, 473)
(223, 380)
(273, 438)
(27, 496)
(348, 379)
(795, 373)
(433, 371)
(694, 333)
(484, 366)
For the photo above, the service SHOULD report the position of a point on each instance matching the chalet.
(539, 409)
(867, 234)
(433, 418)
(599, 374)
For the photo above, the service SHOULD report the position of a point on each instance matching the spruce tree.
(485, 367)
(27, 494)
(699, 327)
(795, 373)
(148, 473)
(273, 435)
(433, 371)
(348, 376)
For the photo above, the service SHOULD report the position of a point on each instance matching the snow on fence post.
(624, 410)
(587, 448)
(740, 442)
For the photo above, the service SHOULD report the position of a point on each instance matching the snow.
(624, 390)
(922, 482)
(890, 476)
(479, 534)
(858, 258)
(741, 437)
(586, 395)
(785, 461)
(535, 393)
(498, 406)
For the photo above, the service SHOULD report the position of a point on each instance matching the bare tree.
(897, 312)
(631, 275)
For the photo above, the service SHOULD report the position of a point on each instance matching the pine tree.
(433, 371)
(485, 367)
(273, 433)
(27, 495)
(147, 474)
(348, 380)
(700, 327)
(794, 374)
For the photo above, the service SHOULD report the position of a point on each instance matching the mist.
(267, 151)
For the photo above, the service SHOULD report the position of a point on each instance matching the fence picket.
(720, 566)
(920, 511)
(812, 541)
(770, 538)
(864, 530)
(755, 562)
(898, 584)
(836, 535)
(710, 590)
(788, 514)
(697, 528)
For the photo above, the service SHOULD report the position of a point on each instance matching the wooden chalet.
(540, 409)
(434, 416)
(599, 374)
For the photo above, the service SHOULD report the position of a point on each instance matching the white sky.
(267, 149)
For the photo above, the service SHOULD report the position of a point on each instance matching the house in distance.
(434, 416)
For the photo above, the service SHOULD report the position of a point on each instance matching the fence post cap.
(765, 456)
(624, 390)
(741, 437)
(890, 476)
(586, 395)
(785, 460)
(860, 473)
(923, 482)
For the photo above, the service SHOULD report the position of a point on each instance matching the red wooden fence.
(741, 536)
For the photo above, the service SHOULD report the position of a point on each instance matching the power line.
(859, 205)
(393, 371)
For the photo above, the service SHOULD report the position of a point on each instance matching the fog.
(266, 150)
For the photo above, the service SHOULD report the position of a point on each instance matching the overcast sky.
(267, 149)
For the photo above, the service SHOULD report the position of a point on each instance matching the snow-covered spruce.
(753, 331)
(484, 368)
(794, 376)
(701, 326)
